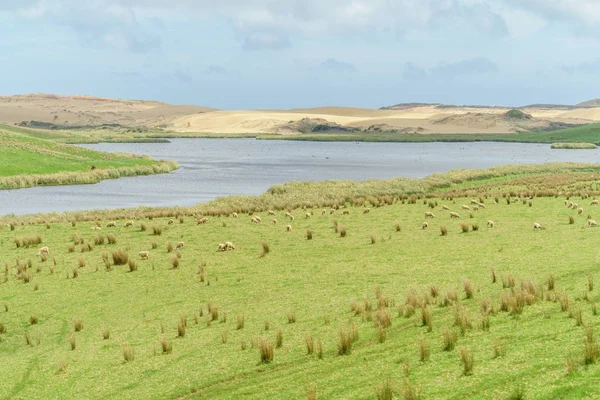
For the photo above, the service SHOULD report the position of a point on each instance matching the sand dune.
(65, 111)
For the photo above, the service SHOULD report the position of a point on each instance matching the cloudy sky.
(237, 54)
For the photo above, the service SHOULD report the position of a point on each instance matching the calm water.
(219, 167)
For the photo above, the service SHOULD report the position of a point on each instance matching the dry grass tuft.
(464, 228)
(310, 344)
(449, 339)
(265, 348)
(309, 234)
(240, 322)
(120, 257)
(174, 261)
(384, 390)
(466, 358)
(279, 338)
(77, 324)
(111, 238)
(132, 265)
(443, 231)
(33, 319)
(128, 352)
(468, 287)
(424, 350)
(167, 347)
(105, 333)
(265, 249)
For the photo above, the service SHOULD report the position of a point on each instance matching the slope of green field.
(397, 289)
(26, 160)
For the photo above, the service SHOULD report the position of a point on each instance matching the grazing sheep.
(171, 222)
(255, 219)
(274, 221)
(96, 228)
(445, 207)
(331, 211)
(475, 208)
(346, 212)
(580, 211)
(288, 228)
(323, 212)
(537, 225)
(594, 203)
(454, 215)
(111, 224)
(481, 205)
(43, 251)
(144, 255)
(366, 210)
(425, 225)
(128, 224)
(465, 207)
(473, 201)
(287, 214)
(222, 247)
(429, 214)
(570, 204)
(490, 223)
(229, 246)
(575, 205)
(271, 212)
(202, 220)
(179, 245)
(235, 215)
(307, 216)
(292, 218)
(591, 223)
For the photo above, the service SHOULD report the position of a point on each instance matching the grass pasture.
(387, 294)
(27, 160)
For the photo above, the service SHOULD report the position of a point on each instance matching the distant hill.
(589, 104)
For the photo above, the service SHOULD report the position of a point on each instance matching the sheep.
(229, 246)
(331, 211)
(222, 247)
(575, 205)
(179, 245)
(288, 228)
(465, 207)
(271, 212)
(287, 214)
(235, 215)
(454, 215)
(256, 219)
(366, 210)
(591, 223)
(445, 207)
(490, 223)
(43, 251)
(481, 205)
(144, 255)
(202, 220)
(473, 201)
(580, 211)
(307, 216)
(274, 221)
(594, 203)
(128, 224)
(171, 222)
(537, 225)
(429, 214)
(292, 218)
(570, 204)
(111, 224)
(346, 212)
(425, 225)
(475, 208)
(96, 228)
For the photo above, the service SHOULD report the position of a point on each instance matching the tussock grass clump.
(345, 342)
(157, 230)
(291, 316)
(590, 282)
(384, 390)
(434, 291)
(29, 340)
(383, 318)
(397, 227)
(33, 319)
(591, 350)
(105, 333)
(265, 348)
(106, 261)
(99, 240)
(132, 265)
(551, 282)
(279, 338)
(508, 281)
(169, 247)
(443, 231)
(181, 328)
(240, 322)
(310, 344)
(309, 234)
(81, 262)
(265, 249)
(2, 329)
(72, 342)
(120, 257)
(77, 324)
(464, 228)
(449, 339)
(468, 287)
(466, 359)
(311, 393)
(174, 261)
(424, 350)
(373, 239)
(111, 238)
(143, 227)
(426, 318)
(128, 352)
(166, 346)
(343, 231)
(71, 248)
(571, 220)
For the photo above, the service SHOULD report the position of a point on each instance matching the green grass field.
(27, 160)
(376, 281)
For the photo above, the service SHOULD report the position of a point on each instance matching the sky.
(280, 54)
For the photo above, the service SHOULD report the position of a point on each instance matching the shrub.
(265, 348)
(120, 257)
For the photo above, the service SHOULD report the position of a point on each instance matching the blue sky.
(236, 54)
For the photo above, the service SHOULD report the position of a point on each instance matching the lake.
(212, 168)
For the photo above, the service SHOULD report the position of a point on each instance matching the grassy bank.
(26, 160)
(339, 304)
(576, 146)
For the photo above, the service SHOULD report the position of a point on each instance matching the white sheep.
(43, 251)
(323, 212)
(229, 246)
(274, 221)
(454, 215)
(429, 214)
(580, 211)
(445, 207)
(537, 225)
(179, 245)
(465, 207)
(307, 215)
(96, 228)
(235, 215)
(366, 210)
(591, 223)
(222, 247)
(490, 223)
(288, 228)
(425, 225)
(271, 212)
(111, 224)
(594, 203)
(144, 255)
(128, 224)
